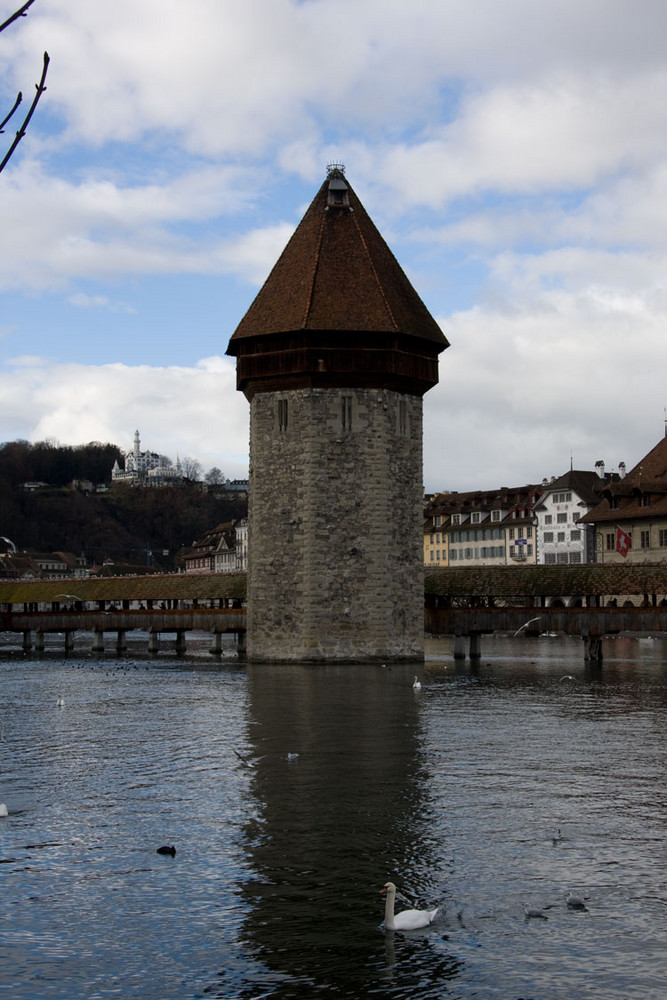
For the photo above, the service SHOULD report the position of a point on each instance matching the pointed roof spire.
(337, 273)
(337, 308)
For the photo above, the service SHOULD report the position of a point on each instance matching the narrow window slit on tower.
(402, 417)
(282, 415)
(346, 412)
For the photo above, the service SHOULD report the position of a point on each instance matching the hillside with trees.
(139, 526)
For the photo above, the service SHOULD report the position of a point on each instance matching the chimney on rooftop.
(599, 468)
(621, 470)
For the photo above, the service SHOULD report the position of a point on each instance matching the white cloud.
(232, 78)
(64, 230)
(193, 411)
(553, 373)
(513, 154)
(83, 301)
(534, 138)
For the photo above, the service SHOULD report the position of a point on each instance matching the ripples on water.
(453, 792)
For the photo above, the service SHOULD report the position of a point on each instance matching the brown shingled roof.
(586, 484)
(622, 498)
(648, 474)
(511, 581)
(337, 274)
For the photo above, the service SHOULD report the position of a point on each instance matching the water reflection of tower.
(334, 356)
(335, 823)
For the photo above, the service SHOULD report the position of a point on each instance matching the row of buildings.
(41, 565)
(224, 549)
(580, 517)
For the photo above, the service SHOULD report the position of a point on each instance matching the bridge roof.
(479, 581)
(157, 587)
(547, 581)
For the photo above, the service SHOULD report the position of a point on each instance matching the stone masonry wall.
(335, 526)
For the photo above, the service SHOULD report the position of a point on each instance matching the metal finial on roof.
(333, 167)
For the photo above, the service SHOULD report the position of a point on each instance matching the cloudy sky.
(513, 153)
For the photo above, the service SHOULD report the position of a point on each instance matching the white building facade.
(147, 468)
(561, 539)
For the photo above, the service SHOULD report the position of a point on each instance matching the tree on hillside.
(40, 88)
(191, 469)
(214, 477)
(55, 464)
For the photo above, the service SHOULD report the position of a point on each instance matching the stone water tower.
(334, 356)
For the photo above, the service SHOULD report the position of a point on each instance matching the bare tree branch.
(21, 12)
(16, 104)
(40, 88)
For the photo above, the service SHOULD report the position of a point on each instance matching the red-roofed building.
(634, 507)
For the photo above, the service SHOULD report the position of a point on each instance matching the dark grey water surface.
(453, 792)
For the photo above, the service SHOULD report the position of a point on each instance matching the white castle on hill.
(147, 468)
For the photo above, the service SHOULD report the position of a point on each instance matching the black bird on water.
(167, 850)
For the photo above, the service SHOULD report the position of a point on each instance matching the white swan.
(3, 809)
(407, 920)
(60, 701)
(417, 685)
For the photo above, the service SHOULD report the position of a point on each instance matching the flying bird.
(526, 624)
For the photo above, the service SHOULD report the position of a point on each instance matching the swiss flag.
(623, 542)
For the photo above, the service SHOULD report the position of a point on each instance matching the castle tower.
(334, 356)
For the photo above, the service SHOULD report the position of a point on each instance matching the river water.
(489, 790)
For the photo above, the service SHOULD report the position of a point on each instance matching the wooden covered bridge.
(590, 600)
(169, 604)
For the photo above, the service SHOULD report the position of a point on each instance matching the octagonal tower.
(334, 356)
